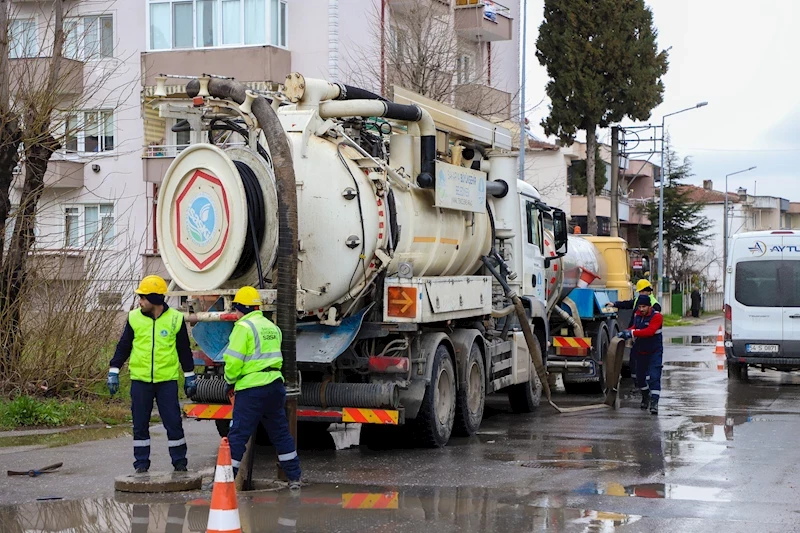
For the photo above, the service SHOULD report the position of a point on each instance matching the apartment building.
(90, 216)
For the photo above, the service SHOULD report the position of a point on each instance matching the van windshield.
(768, 283)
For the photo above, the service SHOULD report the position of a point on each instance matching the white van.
(762, 302)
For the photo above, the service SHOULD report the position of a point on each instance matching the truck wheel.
(223, 426)
(601, 349)
(437, 413)
(737, 371)
(525, 397)
(471, 397)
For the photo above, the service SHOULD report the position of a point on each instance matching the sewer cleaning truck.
(410, 271)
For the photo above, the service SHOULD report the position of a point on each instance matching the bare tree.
(40, 88)
(418, 49)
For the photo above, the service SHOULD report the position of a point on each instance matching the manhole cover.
(588, 464)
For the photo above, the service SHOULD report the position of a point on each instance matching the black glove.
(229, 388)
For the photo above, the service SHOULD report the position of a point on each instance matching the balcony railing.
(482, 21)
(165, 150)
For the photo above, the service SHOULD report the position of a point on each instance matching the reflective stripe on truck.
(575, 346)
(205, 411)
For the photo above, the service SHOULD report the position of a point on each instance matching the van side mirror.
(560, 232)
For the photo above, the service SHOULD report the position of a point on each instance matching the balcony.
(479, 22)
(409, 6)
(59, 265)
(60, 174)
(32, 72)
(627, 214)
(483, 100)
(248, 63)
(153, 264)
(157, 159)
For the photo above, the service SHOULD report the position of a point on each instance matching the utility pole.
(523, 137)
(615, 181)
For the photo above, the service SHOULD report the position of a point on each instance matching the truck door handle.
(794, 316)
(533, 283)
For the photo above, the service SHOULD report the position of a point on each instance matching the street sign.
(638, 264)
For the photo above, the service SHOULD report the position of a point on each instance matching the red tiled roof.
(541, 145)
(701, 195)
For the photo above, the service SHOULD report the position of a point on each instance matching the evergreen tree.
(602, 58)
(684, 225)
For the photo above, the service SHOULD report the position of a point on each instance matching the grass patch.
(675, 320)
(31, 412)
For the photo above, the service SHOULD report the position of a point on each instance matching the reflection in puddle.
(65, 438)
(321, 508)
(654, 490)
(691, 364)
(693, 339)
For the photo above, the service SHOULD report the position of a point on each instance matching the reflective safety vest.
(154, 354)
(653, 300)
(253, 355)
(647, 345)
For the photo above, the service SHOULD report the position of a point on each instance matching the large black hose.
(287, 213)
(350, 395)
(348, 92)
(256, 224)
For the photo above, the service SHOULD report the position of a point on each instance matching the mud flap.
(613, 369)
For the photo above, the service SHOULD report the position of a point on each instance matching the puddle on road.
(692, 364)
(668, 491)
(65, 438)
(319, 508)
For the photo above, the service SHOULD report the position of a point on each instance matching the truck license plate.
(761, 348)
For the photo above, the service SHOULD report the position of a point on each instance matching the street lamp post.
(725, 230)
(659, 291)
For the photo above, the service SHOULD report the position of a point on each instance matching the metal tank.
(563, 274)
(345, 223)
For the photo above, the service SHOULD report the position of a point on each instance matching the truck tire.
(223, 426)
(434, 422)
(601, 351)
(525, 397)
(737, 371)
(471, 398)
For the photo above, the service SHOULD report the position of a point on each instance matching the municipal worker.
(157, 342)
(643, 287)
(647, 351)
(253, 363)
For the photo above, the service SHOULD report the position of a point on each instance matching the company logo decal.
(201, 220)
(758, 249)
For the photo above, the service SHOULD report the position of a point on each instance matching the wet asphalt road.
(721, 456)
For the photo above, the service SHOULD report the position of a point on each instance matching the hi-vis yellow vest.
(154, 356)
(253, 355)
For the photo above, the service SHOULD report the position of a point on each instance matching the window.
(22, 38)
(176, 24)
(89, 225)
(90, 131)
(533, 224)
(89, 37)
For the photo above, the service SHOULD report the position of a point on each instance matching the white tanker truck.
(413, 242)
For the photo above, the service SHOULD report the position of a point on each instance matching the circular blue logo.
(164, 333)
(201, 220)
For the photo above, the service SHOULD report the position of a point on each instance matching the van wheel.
(737, 371)
(437, 413)
(471, 398)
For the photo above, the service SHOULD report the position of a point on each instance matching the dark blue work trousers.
(265, 404)
(648, 371)
(165, 395)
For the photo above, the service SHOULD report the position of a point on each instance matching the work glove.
(190, 385)
(625, 334)
(229, 389)
(113, 383)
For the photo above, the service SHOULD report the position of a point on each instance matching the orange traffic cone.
(720, 347)
(223, 517)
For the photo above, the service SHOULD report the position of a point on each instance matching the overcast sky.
(741, 57)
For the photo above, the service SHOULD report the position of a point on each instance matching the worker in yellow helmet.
(157, 342)
(642, 287)
(253, 362)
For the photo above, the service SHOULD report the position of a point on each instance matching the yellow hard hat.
(643, 284)
(247, 296)
(152, 285)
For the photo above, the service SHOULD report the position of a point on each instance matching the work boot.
(654, 405)
(645, 399)
(181, 468)
(294, 485)
(141, 470)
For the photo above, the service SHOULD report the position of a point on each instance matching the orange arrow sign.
(406, 301)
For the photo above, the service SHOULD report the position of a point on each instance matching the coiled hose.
(256, 223)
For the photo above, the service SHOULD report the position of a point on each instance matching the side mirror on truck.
(560, 232)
